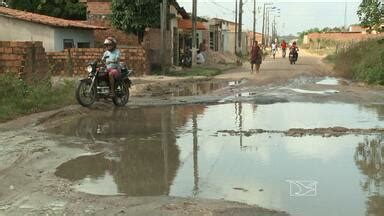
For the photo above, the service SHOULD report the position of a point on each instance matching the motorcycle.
(293, 55)
(96, 85)
(186, 59)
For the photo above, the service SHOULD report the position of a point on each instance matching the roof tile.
(47, 20)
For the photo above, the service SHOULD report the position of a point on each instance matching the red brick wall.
(342, 36)
(74, 61)
(98, 8)
(97, 14)
(27, 59)
(123, 39)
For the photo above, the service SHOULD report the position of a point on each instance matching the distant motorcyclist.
(294, 46)
(294, 49)
(112, 59)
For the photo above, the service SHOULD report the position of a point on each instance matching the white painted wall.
(229, 42)
(78, 36)
(19, 30)
(52, 37)
(172, 26)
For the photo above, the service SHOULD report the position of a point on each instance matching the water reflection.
(175, 150)
(369, 158)
(195, 154)
(200, 88)
(142, 157)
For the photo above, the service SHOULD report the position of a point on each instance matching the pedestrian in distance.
(274, 49)
(200, 57)
(203, 49)
(256, 57)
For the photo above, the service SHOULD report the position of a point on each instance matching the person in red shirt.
(256, 57)
(284, 48)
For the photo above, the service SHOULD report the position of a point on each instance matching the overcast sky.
(295, 16)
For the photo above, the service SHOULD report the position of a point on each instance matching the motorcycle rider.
(294, 49)
(112, 59)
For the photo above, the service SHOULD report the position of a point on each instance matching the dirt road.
(29, 155)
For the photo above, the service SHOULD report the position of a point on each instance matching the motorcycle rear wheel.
(122, 96)
(85, 96)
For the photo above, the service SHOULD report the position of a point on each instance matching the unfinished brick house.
(98, 12)
(178, 32)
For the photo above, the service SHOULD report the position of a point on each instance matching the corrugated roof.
(187, 24)
(47, 20)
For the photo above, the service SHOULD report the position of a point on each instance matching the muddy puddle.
(201, 88)
(177, 151)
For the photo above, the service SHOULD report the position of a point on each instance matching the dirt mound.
(221, 58)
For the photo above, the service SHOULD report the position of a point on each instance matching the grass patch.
(364, 61)
(331, 58)
(327, 47)
(18, 97)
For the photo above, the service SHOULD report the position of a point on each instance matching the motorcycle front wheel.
(85, 95)
(122, 96)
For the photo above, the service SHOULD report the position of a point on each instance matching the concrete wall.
(173, 30)
(229, 42)
(18, 30)
(77, 35)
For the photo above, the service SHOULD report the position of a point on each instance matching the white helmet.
(110, 41)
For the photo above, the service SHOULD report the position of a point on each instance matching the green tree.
(135, 15)
(371, 14)
(67, 9)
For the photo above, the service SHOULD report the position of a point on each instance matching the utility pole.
(194, 14)
(274, 28)
(263, 28)
(163, 36)
(236, 27)
(240, 23)
(254, 22)
(345, 16)
(267, 28)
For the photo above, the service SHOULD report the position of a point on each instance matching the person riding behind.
(112, 59)
(294, 46)
(294, 49)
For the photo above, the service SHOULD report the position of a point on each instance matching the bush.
(363, 61)
(18, 97)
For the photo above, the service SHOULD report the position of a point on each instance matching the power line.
(219, 5)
